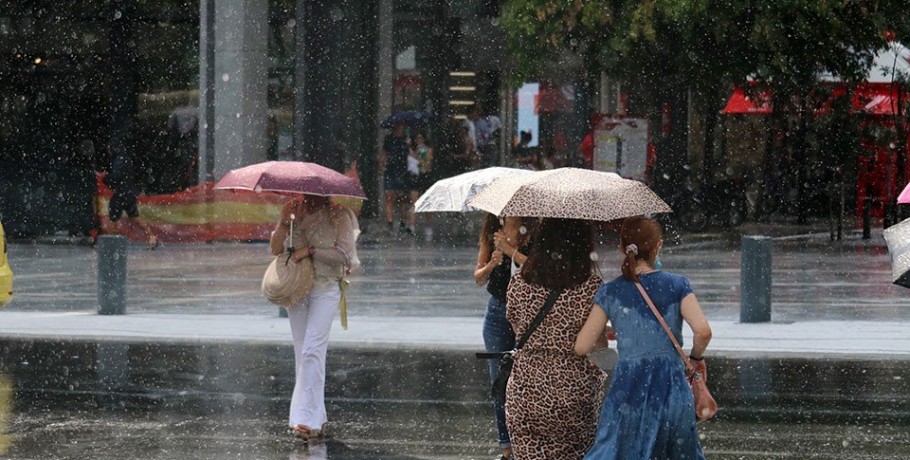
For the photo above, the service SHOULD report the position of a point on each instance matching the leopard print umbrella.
(570, 193)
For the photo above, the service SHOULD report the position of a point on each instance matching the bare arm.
(487, 260)
(276, 241)
(592, 335)
(701, 330)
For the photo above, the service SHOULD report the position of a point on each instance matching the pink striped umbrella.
(291, 177)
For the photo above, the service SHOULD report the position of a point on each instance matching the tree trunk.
(709, 163)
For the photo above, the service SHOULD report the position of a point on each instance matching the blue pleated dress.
(649, 411)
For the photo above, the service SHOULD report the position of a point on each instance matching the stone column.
(206, 90)
(385, 78)
(241, 79)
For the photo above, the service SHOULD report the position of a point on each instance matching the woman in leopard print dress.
(553, 395)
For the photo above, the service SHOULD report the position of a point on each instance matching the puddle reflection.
(6, 412)
(58, 399)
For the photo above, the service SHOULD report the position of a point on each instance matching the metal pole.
(111, 275)
(840, 212)
(210, 90)
(755, 273)
(867, 214)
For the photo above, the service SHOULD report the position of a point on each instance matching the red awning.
(878, 99)
(869, 98)
(740, 102)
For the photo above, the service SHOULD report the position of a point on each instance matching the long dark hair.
(491, 225)
(561, 254)
(645, 234)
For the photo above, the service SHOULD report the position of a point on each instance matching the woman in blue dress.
(649, 411)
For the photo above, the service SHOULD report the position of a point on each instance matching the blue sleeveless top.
(638, 333)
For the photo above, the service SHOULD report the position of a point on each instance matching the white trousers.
(311, 322)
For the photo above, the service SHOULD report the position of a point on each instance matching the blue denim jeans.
(498, 336)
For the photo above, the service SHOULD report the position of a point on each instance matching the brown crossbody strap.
(660, 318)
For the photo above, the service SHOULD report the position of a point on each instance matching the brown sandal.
(307, 433)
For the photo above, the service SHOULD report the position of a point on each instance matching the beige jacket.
(333, 232)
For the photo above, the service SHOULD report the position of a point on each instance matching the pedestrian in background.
(465, 155)
(326, 233)
(488, 128)
(122, 180)
(501, 245)
(553, 395)
(423, 154)
(394, 162)
(524, 155)
(470, 124)
(649, 411)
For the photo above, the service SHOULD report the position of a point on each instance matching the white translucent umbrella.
(570, 193)
(452, 194)
(898, 239)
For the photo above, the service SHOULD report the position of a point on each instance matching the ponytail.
(629, 263)
(639, 239)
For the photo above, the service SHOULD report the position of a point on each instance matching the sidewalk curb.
(877, 340)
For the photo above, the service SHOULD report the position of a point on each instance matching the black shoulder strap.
(547, 306)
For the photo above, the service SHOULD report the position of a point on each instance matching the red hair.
(639, 239)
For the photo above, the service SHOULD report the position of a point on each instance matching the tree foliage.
(784, 43)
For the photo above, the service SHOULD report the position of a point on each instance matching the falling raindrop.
(258, 189)
(225, 77)
(291, 23)
(523, 230)
(118, 14)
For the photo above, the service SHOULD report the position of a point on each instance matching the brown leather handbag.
(705, 405)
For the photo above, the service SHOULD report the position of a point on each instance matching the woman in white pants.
(328, 234)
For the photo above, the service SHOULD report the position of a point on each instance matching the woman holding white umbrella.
(503, 247)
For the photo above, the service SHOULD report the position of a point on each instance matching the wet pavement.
(75, 400)
(146, 393)
(812, 279)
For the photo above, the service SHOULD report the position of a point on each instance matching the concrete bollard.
(755, 280)
(111, 251)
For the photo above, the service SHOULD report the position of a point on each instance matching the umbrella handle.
(291, 232)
